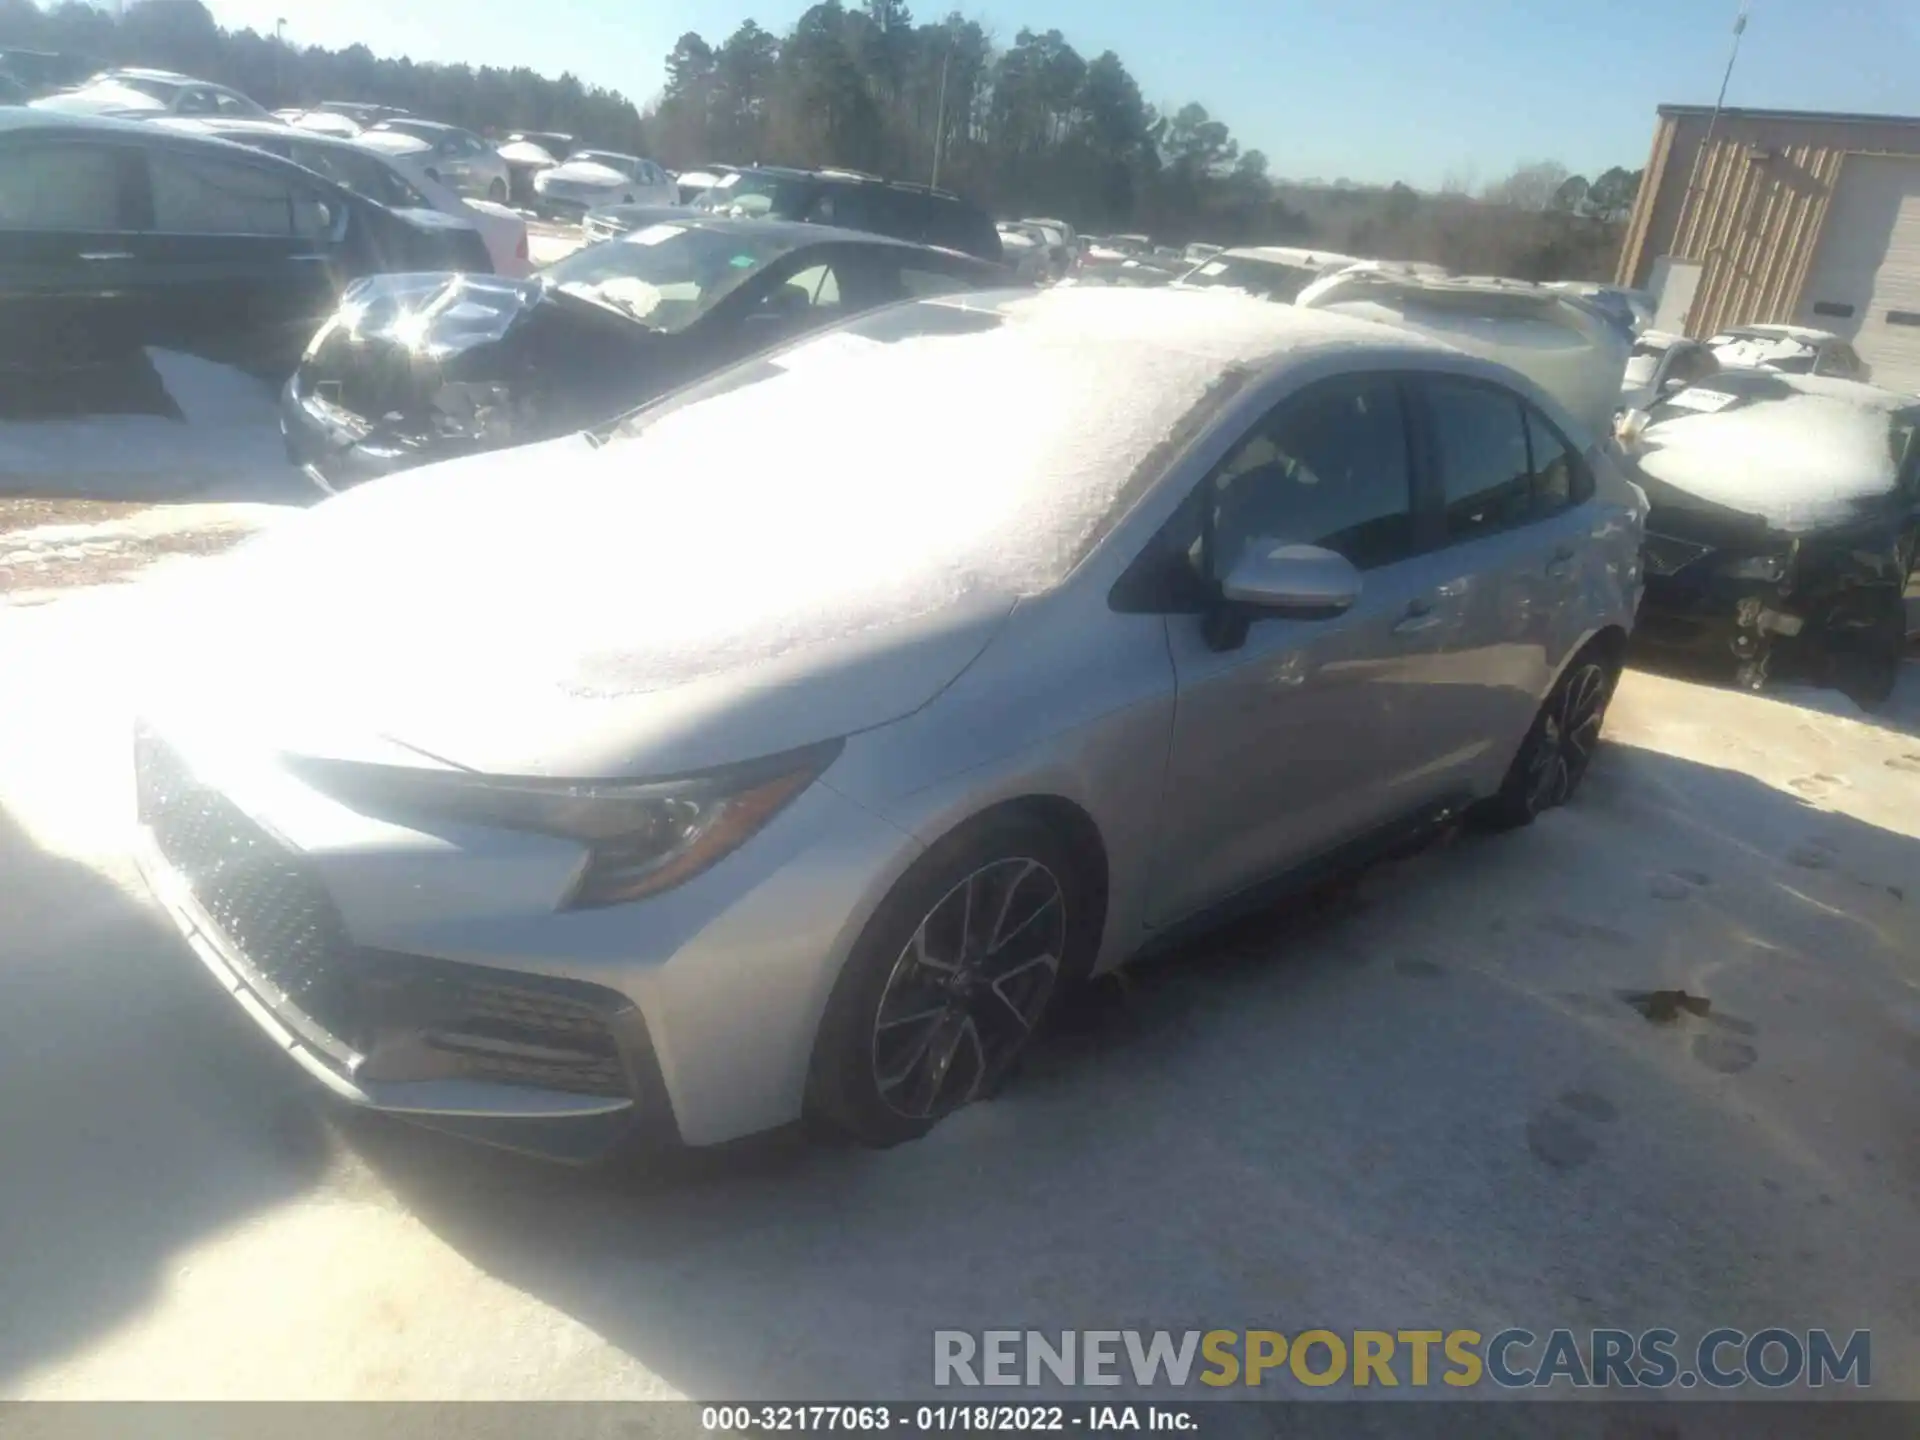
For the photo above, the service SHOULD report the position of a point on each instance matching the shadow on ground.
(139, 1111)
(1435, 1099)
(153, 427)
(1900, 713)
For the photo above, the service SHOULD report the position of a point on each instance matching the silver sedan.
(783, 750)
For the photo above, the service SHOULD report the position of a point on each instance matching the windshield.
(1268, 279)
(162, 90)
(665, 276)
(757, 196)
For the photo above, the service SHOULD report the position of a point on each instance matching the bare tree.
(1531, 186)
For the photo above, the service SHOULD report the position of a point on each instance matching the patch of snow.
(229, 436)
(1802, 460)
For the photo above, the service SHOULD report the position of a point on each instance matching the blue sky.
(1374, 90)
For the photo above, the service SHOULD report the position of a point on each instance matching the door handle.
(1561, 562)
(100, 256)
(1420, 616)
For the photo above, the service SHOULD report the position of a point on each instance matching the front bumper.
(337, 450)
(1688, 606)
(571, 204)
(433, 976)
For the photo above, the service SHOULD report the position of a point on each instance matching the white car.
(1661, 365)
(1574, 351)
(138, 94)
(456, 158)
(617, 787)
(588, 179)
(1267, 272)
(1025, 251)
(397, 181)
(1791, 349)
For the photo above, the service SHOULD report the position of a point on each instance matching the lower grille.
(268, 906)
(401, 1017)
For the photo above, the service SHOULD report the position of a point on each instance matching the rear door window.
(1480, 446)
(61, 187)
(202, 195)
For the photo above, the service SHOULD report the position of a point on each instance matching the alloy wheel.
(968, 988)
(1569, 734)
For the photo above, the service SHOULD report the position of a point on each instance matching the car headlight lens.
(641, 838)
(1774, 568)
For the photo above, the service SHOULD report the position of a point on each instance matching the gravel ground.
(1439, 1099)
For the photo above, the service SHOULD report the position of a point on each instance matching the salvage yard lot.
(1652, 1062)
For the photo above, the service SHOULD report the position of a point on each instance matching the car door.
(69, 281)
(1513, 492)
(1295, 739)
(245, 258)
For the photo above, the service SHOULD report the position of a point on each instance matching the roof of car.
(851, 177)
(1286, 255)
(413, 121)
(799, 232)
(1805, 334)
(24, 117)
(143, 72)
(1223, 328)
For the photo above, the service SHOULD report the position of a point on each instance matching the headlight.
(641, 838)
(471, 410)
(1773, 568)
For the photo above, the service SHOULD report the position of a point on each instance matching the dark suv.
(854, 201)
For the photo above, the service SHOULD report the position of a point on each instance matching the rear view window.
(59, 187)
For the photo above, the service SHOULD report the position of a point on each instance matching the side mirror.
(1302, 580)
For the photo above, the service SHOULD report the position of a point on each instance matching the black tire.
(497, 192)
(909, 1036)
(1553, 759)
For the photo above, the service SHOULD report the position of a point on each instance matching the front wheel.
(950, 980)
(1553, 759)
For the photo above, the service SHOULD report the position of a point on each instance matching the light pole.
(1700, 159)
(940, 117)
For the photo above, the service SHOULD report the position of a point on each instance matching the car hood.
(588, 172)
(436, 315)
(525, 152)
(393, 142)
(493, 613)
(1769, 466)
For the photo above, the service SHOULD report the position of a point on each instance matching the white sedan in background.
(588, 179)
(398, 181)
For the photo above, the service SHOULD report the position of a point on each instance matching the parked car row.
(115, 235)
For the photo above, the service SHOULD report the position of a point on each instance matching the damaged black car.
(1782, 531)
(417, 368)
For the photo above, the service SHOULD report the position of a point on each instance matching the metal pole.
(1700, 155)
(940, 121)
